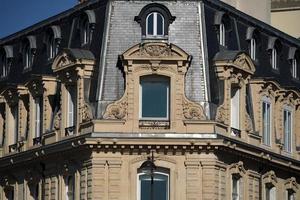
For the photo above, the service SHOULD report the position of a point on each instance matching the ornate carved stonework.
(86, 113)
(192, 110)
(221, 115)
(155, 50)
(237, 168)
(248, 123)
(117, 110)
(291, 184)
(57, 120)
(270, 177)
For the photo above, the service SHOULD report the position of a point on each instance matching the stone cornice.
(137, 144)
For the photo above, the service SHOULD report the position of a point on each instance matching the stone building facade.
(202, 91)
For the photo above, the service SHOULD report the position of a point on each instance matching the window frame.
(4, 65)
(162, 172)
(85, 31)
(38, 117)
(67, 180)
(253, 47)
(237, 97)
(71, 104)
(294, 63)
(267, 101)
(27, 56)
(288, 147)
(222, 34)
(157, 78)
(270, 189)
(274, 58)
(52, 46)
(155, 24)
(15, 123)
(238, 182)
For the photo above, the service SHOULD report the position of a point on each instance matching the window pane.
(155, 97)
(160, 24)
(266, 123)
(159, 187)
(150, 24)
(235, 108)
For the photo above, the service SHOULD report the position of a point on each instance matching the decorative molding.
(237, 168)
(291, 184)
(117, 110)
(192, 110)
(270, 178)
(221, 115)
(248, 122)
(57, 120)
(86, 112)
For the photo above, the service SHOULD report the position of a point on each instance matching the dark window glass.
(150, 24)
(155, 97)
(160, 24)
(159, 187)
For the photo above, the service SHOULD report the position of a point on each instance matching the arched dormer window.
(28, 50)
(155, 24)
(87, 26)
(52, 41)
(294, 58)
(253, 37)
(155, 20)
(222, 23)
(274, 47)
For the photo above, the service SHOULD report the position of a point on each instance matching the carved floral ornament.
(12, 94)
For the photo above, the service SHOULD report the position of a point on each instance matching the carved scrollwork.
(117, 110)
(57, 120)
(248, 123)
(221, 115)
(192, 110)
(237, 168)
(86, 113)
(291, 184)
(155, 50)
(270, 177)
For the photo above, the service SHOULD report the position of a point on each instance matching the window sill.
(146, 38)
(154, 124)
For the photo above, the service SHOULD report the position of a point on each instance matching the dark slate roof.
(80, 54)
(253, 21)
(227, 55)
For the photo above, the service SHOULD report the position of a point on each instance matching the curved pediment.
(236, 60)
(71, 57)
(155, 51)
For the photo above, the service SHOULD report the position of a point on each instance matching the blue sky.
(16, 15)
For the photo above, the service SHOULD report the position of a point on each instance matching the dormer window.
(222, 34)
(28, 50)
(52, 47)
(274, 59)
(87, 26)
(295, 68)
(52, 40)
(27, 56)
(274, 48)
(154, 98)
(155, 24)
(155, 20)
(3, 64)
(253, 49)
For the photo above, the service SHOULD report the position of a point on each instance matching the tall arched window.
(3, 64)
(27, 54)
(155, 24)
(52, 46)
(222, 38)
(85, 31)
(156, 186)
(154, 97)
(70, 188)
(274, 58)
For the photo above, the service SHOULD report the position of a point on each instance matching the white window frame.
(272, 192)
(266, 100)
(158, 78)
(274, 58)
(71, 106)
(288, 145)
(295, 68)
(222, 40)
(235, 111)
(4, 66)
(238, 179)
(253, 48)
(139, 184)
(67, 187)
(38, 121)
(155, 24)
(15, 117)
(52, 46)
(86, 31)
